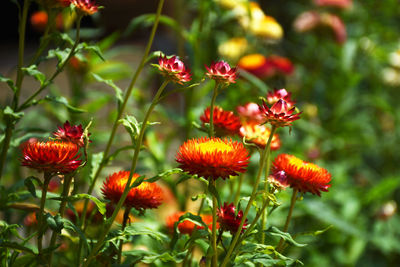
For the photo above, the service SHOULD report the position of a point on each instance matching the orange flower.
(259, 134)
(213, 157)
(39, 20)
(225, 122)
(250, 112)
(51, 157)
(186, 227)
(280, 114)
(86, 7)
(30, 219)
(302, 175)
(221, 72)
(173, 69)
(145, 196)
(256, 64)
(273, 97)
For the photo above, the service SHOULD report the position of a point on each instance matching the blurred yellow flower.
(233, 49)
(231, 4)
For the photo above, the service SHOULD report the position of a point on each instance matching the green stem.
(279, 248)
(239, 187)
(263, 158)
(123, 105)
(212, 110)
(58, 70)
(47, 178)
(20, 75)
(124, 221)
(107, 226)
(63, 204)
(45, 40)
(214, 228)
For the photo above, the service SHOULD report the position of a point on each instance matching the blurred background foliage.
(348, 92)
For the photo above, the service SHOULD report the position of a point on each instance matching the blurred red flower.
(259, 134)
(186, 227)
(225, 122)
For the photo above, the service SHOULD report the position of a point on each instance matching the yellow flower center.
(213, 146)
(302, 164)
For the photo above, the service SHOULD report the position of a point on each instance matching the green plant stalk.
(128, 183)
(214, 228)
(279, 248)
(47, 178)
(211, 134)
(265, 153)
(125, 219)
(59, 68)
(122, 108)
(18, 84)
(63, 204)
(239, 187)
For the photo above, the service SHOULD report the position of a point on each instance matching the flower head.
(264, 67)
(250, 112)
(85, 7)
(280, 114)
(213, 157)
(39, 20)
(273, 97)
(282, 65)
(51, 157)
(229, 220)
(302, 175)
(259, 134)
(221, 72)
(73, 134)
(334, 3)
(173, 69)
(233, 48)
(225, 122)
(145, 196)
(186, 227)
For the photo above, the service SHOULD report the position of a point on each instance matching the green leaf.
(285, 236)
(55, 223)
(314, 233)
(257, 82)
(33, 71)
(16, 246)
(183, 178)
(100, 205)
(72, 227)
(63, 101)
(135, 230)
(165, 257)
(8, 111)
(9, 82)
(164, 175)
(61, 55)
(132, 126)
(30, 186)
(95, 164)
(137, 182)
(118, 91)
(93, 48)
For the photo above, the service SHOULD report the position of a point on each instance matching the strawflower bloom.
(221, 72)
(280, 114)
(145, 196)
(186, 227)
(73, 134)
(85, 7)
(282, 65)
(250, 112)
(213, 157)
(259, 134)
(256, 64)
(225, 122)
(39, 20)
(334, 3)
(173, 69)
(233, 48)
(273, 97)
(51, 157)
(301, 175)
(229, 220)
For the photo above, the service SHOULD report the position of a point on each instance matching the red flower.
(281, 65)
(279, 115)
(221, 72)
(273, 97)
(73, 134)
(259, 134)
(228, 220)
(302, 175)
(86, 7)
(51, 157)
(173, 69)
(186, 227)
(250, 112)
(213, 157)
(225, 122)
(39, 20)
(256, 64)
(145, 196)
(334, 3)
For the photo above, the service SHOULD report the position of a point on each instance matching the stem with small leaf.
(47, 177)
(121, 242)
(279, 247)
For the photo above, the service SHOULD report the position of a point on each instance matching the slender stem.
(214, 228)
(20, 75)
(279, 248)
(239, 187)
(58, 70)
(63, 204)
(212, 110)
(128, 183)
(123, 105)
(47, 178)
(121, 242)
(263, 157)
